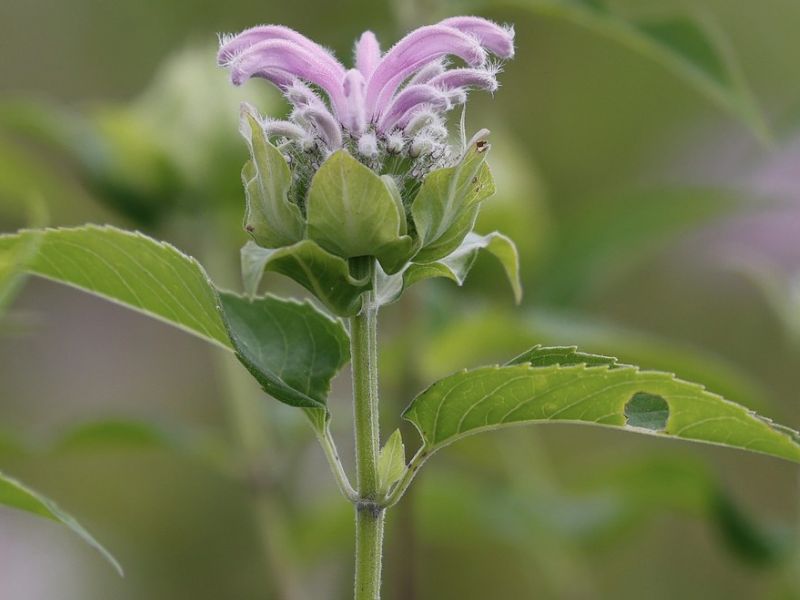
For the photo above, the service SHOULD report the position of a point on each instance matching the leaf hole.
(647, 411)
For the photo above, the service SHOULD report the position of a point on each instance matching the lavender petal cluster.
(388, 111)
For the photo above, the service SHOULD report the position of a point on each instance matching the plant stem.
(369, 547)
(332, 455)
(369, 515)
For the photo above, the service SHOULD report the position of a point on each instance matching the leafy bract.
(270, 217)
(351, 212)
(291, 348)
(16, 495)
(456, 266)
(688, 45)
(325, 275)
(130, 269)
(612, 395)
(446, 206)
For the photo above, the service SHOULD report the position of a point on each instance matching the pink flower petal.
(368, 54)
(285, 58)
(495, 38)
(416, 50)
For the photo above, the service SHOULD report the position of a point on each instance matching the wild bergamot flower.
(363, 165)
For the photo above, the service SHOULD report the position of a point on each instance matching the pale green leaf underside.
(323, 274)
(391, 461)
(291, 348)
(689, 46)
(458, 264)
(16, 495)
(619, 396)
(130, 269)
(270, 217)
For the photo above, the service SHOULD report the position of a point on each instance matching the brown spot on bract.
(481, 145)
(250, 228)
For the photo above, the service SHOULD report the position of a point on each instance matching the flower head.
(362, 167)
(390, 107)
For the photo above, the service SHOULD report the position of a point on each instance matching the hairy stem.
(369, 547)
(335, 463)
(369, 515)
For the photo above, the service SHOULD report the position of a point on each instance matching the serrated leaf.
(446, 206)
(351, 212)
(130, 269)
(545, 356)
(623, 397)
(689, 45)
(291, 348)
(456, 266)
(270, 217)
(17, 495)
(504, 332)
(325, 275)
(391, 461)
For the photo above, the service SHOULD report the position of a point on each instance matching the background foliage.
(645, 156)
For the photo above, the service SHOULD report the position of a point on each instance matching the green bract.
(270, 218)
(317, 230)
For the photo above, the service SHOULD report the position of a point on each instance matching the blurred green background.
(647, 156)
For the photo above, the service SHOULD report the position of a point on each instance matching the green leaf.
(690, 46)
(391, 185)
(351, 212)
(446, 206)
(391, 461)
(545, 356)
(15, 257)
(16, 495)
(130, 269)
(325, 275)
(291, 348)
(457, 265)
(504, 332)
(270, 217)
(611, 395)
